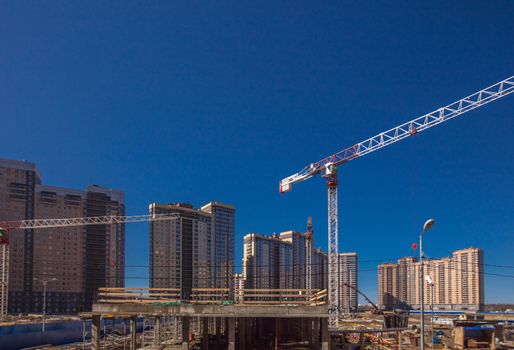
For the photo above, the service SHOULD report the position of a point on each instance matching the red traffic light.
(414, 246)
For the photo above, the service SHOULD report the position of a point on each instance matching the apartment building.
(223, 224)
(279, 261)
(457, 282)
(80, 259)
(267, 262)
(319, 269)
(348, 276)
(388, 285)
(194, 251)
(406, 280)
(298, 242)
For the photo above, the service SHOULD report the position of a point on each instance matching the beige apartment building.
(80, 259)
(279, 261)
(457, 282)
(388, 285)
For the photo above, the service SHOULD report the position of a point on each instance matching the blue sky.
(196, 101)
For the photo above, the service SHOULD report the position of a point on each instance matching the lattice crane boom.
(84, 221)
(327, 167)
(7, 226)
(410, 128)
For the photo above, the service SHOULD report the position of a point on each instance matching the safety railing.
(312, 297)
(165, 296)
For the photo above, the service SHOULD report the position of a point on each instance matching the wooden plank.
(139, 295)
(281, 290)
(275, 302)
(274, 296)
(211, 289)
(106, 289)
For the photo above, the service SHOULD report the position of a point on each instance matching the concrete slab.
(274, 311)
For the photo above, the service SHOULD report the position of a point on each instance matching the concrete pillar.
(277, 333)
(157, 331)
(185, 332)
(325, 336)
(231, 333)
(250, 331)
(205, 333)
(133, 333)
(217, 322)
(95, 332)
(113, 323)
(241, 327)
(315, 332)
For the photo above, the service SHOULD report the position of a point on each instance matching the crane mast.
(308, 256)
(327, 168)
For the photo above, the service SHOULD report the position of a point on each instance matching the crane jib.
(410, 128)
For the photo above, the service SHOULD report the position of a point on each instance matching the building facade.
(194, 251)
(388, 285)
(267, 262)
(80, 259)
(348, 276)
(280, 262)
(457, 282)
(298, 243)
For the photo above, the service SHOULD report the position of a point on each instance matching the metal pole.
(44, 304)
(422, 288)
(432, 316)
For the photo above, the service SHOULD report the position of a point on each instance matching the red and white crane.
(7, 226)
(327, 167)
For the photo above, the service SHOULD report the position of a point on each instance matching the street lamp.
(431, 285)
(45, 282)
(427, 226)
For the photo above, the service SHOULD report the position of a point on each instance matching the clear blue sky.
(198, 101)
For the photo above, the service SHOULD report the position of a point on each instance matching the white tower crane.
(7, 226)
(327, 167)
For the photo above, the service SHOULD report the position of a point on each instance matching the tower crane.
(7, 226)
(308, 255)
(327, 168)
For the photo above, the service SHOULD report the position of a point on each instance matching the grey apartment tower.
(194, 251)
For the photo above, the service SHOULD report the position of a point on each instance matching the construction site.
(191, 317)
(142, 318)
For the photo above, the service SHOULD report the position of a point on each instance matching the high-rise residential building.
(457, 282)
(223, 224)
(194, 251)
(18, 180)
(81, 259)
(104, 244)
(319, 269)
(348, 270)
(388, 285)
(298, 243)
(406, 281)
(267, 262)
(468, 278)
(279, 261)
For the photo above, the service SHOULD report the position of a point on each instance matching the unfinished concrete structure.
(263, 319)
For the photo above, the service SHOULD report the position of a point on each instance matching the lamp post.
(45, 282)
(430, 283)
(427, 226)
